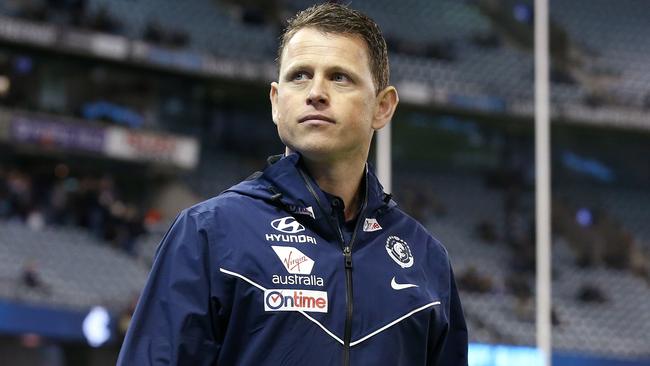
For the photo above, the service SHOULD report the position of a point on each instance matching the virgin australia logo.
(287, 225)
(295, 261)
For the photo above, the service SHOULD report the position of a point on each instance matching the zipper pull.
(347, 253)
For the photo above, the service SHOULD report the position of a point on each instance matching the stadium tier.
(464, 53)
(615, 326)
(618, 47)
(629, 207)
(73, 268)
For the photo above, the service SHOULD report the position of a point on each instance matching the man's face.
(324, 103)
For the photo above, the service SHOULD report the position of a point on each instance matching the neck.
(342, 179)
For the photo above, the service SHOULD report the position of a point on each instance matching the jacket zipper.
(347, 335)
(347, 258)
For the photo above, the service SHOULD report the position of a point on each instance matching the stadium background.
(116, 114)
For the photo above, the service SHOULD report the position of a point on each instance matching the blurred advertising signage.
(480, 102)
(109, 46)
(98, 44)
(504, 355)
(500, 355)
(52, 134)
(183, 59)
(125, 144)
(27, 32)
(96, 327)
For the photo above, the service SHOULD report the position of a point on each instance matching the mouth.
(316, 117)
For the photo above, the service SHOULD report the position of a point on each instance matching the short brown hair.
(340, 19)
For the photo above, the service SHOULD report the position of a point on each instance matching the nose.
(318, 96)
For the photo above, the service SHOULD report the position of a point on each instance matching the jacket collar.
(287, 176)
(287, 185)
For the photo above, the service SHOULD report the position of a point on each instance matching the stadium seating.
(210, 27)
(619, 45)
(77, 271)
(503, 71)
(617, 327)
(629, 207)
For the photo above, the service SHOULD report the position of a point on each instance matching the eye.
(340, 78)
(299, 76)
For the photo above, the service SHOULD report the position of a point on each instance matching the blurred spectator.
(5, 205)
(525, 309)
(646, 101)
(255, 12)
(590, 293)
(19, 187)
(486, 230)
(518, 286)
(155, 33)
(125, 316)
(35, 220)
(555, 319)
(31, 278)
(640, 263)
(472, 281)
(152, 219)
(92, 203)
(598, 239)
(32, 10)
(103, 21)
(67, 12)
(616, 245)
(523, 252)
(418, 200)
(443, 50)
(128, 227)
(178, 38)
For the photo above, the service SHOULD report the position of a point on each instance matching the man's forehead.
(310, 42)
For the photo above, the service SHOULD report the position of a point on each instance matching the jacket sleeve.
(451, 349)
(172, 323)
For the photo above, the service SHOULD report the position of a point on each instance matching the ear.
(387, 101)
(273, 96)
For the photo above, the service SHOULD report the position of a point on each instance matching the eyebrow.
(294, 68)
(329, 69)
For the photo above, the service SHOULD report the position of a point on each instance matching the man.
(308, 262)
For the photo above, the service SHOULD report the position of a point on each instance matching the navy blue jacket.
(264, 274)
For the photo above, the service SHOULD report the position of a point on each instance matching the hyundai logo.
(287, 225)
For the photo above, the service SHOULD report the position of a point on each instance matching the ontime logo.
(295, 300)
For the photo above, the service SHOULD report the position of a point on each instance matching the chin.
(316, 152)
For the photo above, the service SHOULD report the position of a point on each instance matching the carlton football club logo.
(287, 225)
(399, 251)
